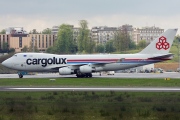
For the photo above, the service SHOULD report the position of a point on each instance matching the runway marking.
(117, 75)
(98, 89)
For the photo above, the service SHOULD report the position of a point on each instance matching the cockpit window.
(15, 55)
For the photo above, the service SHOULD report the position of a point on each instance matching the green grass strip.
(128, 82)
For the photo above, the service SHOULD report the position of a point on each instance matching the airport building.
(54, 30)
(136, 36)
(102, 34)
(145, 33)
(75, 33)
(4, 38)
(18, 38)
(149, 33)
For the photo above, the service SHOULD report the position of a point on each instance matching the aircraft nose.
(6, 63)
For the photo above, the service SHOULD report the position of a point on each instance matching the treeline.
(84, 43)
(45, 31)
(67, 43)
(5, 48)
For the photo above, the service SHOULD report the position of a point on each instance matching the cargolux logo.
(162, 44)
(45, 61)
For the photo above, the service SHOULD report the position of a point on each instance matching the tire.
(20, 75)
(90, 75)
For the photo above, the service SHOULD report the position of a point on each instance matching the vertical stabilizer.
(162, 44)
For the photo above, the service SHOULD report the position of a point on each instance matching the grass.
(91, 105)
(90, 82)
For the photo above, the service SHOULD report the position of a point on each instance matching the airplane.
(85, 65)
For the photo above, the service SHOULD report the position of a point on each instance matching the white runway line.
(98, 89)
(95, 75)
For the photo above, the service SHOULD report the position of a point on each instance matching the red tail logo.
(162, 44)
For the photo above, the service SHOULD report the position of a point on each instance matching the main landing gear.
(82, 75)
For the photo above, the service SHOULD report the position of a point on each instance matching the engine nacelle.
(65, 71)
(86, 69)
(98, 69)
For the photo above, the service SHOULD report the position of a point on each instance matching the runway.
(117, 75)
(120, 89)
(96, 75)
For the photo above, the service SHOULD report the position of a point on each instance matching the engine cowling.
(65, 71)
(98, 69)
(85, 69)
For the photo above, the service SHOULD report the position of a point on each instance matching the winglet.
(162, 44)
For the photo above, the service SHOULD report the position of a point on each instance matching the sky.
(42, 14)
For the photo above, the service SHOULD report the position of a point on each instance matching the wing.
(76, 66)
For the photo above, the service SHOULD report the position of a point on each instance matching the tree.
(118, 41)
(51, 50)
(90, 46)
(176, 41)
(100, 48)
(34, 31)
(122, 40)
(132, 45)
(126, 40)
(142, 44)
(85, 43)
(110, 47)
(11, 50)
(25, 49)
(74, 48)
(46, 31)
(64, 40)
(5, 47)
(3, 31)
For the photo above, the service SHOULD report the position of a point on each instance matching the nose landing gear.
(21, 74)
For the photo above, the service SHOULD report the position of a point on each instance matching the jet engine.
(85, 69)
(65, 71)
(98, 69)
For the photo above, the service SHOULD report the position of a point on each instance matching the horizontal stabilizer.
(163, 56)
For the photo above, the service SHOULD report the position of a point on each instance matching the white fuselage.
(52, 62)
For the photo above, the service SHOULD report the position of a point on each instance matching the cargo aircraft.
(85, 65)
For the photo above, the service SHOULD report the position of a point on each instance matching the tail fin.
(162, 44)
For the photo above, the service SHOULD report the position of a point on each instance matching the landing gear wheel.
(20, 75)
(90, 75)
(87, 75)
(78, 76)
(82, 75)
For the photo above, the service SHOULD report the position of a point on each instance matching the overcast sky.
(41, 14)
